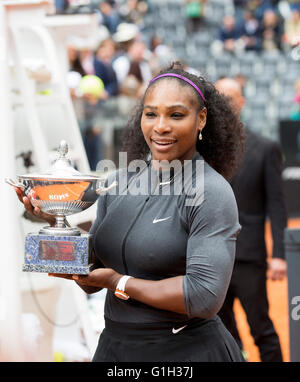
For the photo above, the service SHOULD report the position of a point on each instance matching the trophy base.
(68, 254)
(84, 270)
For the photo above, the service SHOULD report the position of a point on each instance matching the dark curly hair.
(223, 140)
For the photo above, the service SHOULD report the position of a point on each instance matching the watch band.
(120, 288)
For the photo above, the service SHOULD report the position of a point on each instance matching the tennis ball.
(91, 85)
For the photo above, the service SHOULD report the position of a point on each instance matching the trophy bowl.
(61, 191)
(61, 197)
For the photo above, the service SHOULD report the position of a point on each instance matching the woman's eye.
(177, 115)
(150, 114)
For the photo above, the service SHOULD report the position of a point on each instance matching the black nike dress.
(153, 233)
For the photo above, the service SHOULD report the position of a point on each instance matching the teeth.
(163, 143)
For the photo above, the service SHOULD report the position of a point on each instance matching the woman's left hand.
(100, 278)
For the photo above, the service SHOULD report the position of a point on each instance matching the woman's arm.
(164, 294)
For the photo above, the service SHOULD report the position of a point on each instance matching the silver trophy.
(61, 191)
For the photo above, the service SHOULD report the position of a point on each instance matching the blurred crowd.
(261, 25)
(124, 58)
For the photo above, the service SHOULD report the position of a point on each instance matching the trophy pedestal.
(58, 254)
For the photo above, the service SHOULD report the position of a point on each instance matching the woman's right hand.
(36, 211)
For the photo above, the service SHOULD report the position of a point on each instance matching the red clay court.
(278, 300)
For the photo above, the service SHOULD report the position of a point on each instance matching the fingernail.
(75, 277)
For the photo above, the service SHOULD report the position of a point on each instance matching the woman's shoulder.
(212, 181)
(217, 191)
(208, 190)
(212, 203)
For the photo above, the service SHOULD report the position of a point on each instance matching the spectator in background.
(130, 91)
(259, 7)
(251, 32)
(86, 104)
(229, 34)
(155, 42)
(110, 16)
(81, 55)
(86, 56)
(103, 66)
(90, 127)
(292, 28)
(133, 11)
(88, 113)
(271, 31)
(125, 35)
(194, 13)
(133, 62)
(258, 189)
(74, 60)
(160, 54)
(239, 8)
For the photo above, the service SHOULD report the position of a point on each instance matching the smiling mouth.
(163, 143)
(162, 146)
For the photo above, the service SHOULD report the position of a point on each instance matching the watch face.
(57, 250)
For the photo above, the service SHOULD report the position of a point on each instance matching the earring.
(200, 136)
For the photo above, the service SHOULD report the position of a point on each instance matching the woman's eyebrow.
(150, 107)
(168, 107)
(178, 105)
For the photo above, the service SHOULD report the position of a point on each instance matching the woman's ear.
(202, 118)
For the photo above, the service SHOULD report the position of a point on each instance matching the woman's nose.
(162, 126)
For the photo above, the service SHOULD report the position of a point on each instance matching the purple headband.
(182, 78)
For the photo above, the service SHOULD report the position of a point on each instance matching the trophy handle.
(14, 184)
(101, 190)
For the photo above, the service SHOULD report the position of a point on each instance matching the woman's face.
(171, 121)
(106, 51)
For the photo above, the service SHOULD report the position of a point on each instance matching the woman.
(166, 257)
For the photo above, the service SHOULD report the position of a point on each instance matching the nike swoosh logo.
(175, 331)
(160, 220)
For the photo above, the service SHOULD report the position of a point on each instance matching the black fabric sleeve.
(210, 253)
